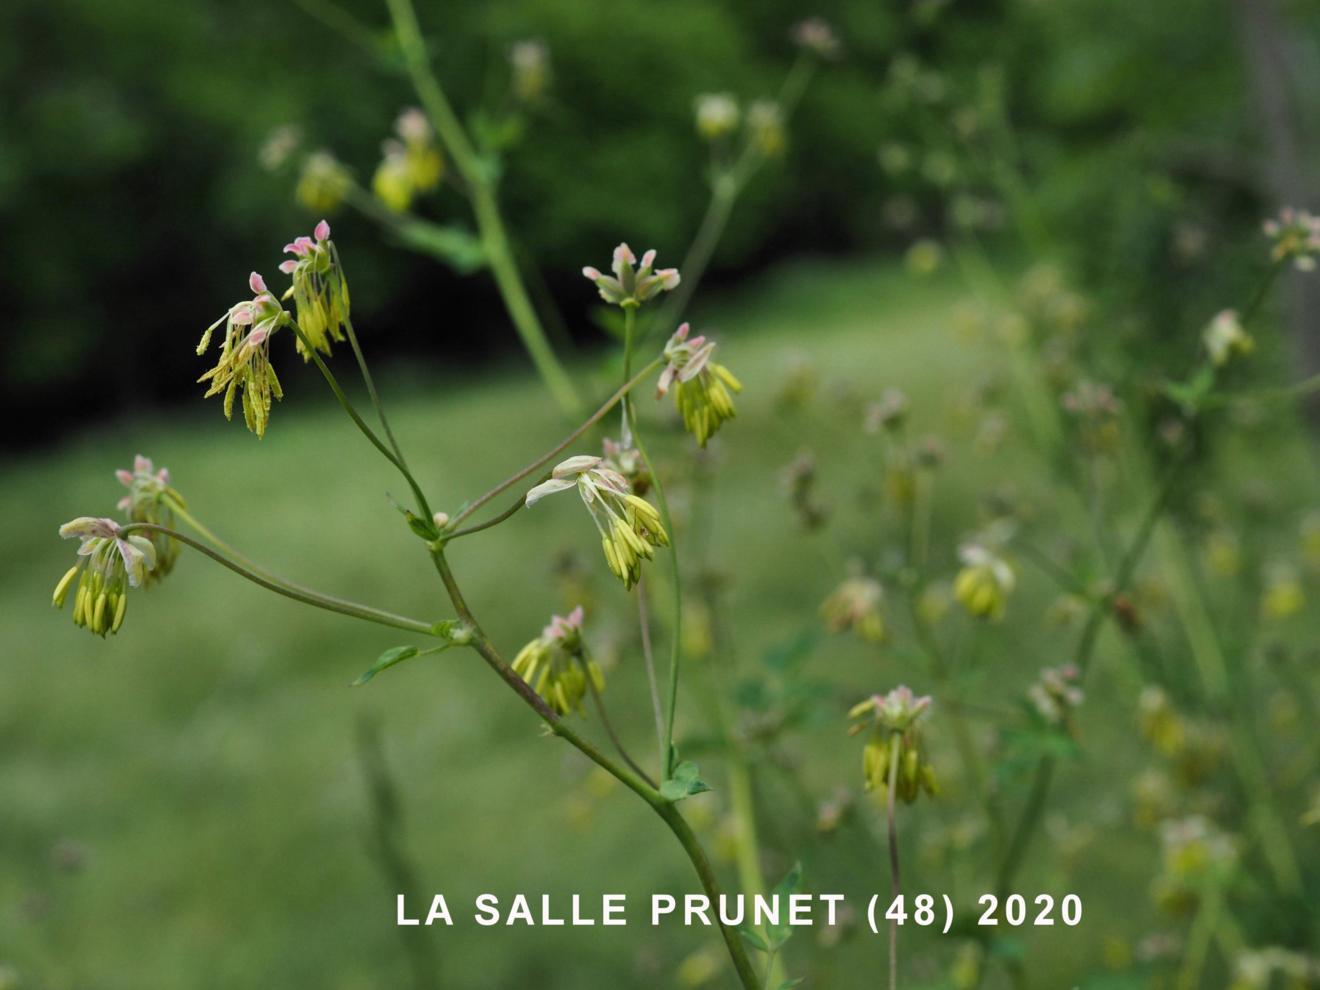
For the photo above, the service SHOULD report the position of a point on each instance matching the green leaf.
(791, 884)
(790, 984)
(454, 245)
(753, 939)
(684, 783)
(388, 659)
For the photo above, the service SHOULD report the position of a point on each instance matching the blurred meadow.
(203, 800)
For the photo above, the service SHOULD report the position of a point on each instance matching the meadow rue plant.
(319, 292)
(856, 605)
(530, 61)
(629, 526)
(815, 35)
(323, 184)
(244, 364)
(1224, 338)
(894, 745)
(1041, 393)
(983, 585)
(110, 562)
(1296, 237)
(717, 114)
(631, 285)
(701, 386)
(1056, 694)
(556, 667)
(411, 165)
(151, 499)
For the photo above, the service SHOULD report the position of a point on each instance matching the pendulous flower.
(244, 363)
(556, 665)
(530, 61)
(319, 291)
(983, 585)
(630, 286)
(856, 604)
(1056, 694)
(410, 165)
(1296, 237)
(629, 526)
(765, 127)
(894, 720)
(717, 115)
(815, 35)
(151, 499)
(701, 387)
(1224, 337)
(323, 184)
(109, 563)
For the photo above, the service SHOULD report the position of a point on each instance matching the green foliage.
(684, 782)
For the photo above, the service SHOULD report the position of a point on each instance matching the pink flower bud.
(125, 477)
(288, 267)
(256, 283)
(591, 273)
(322, 231)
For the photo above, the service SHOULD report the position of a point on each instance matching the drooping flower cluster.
(320, 294)
(1296, 237)
(530, 62)
(894, 720)
(701, 386)
(411, 164)
(1056, 694)
(109, 563)
(631, 285)
(856, 605)
(244, 364)
(627, 461)
(983, 585)
(765, 128)
(150, 499)
(629, 526)
(556, 665)
(717, 114)
(323, 184)
(815, 35)
(1224, 337)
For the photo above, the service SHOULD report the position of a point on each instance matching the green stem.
(664, 808)
(608, 726)
(895, 887)
(493, 521)
(648, 657)
(559, 448)
(288, 590)
(676, 631)
(490, 224)
(358, 421)
(367, 380)
(1199, 939)
(1021, 839)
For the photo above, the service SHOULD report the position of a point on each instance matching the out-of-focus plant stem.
(360, 423)
(895, 887)
(726, 186)
(387, 845)
(481, 181)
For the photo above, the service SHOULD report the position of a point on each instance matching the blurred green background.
(184, 806)
(132, 204)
